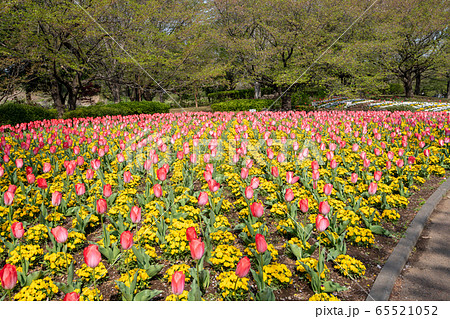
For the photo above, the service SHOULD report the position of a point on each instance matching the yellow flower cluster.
(30, 253)
(324, 240)
(38, 290)
(277, 274)
(279, 210)
(221, 222)
(57, 262)
(141, 280)
(182, 297)
(349, 266)
(298, 242)
(312, 263)
(177, 244)
(222, 237)
(360, 236)
(85, 272)
(180, 267)
(37, 234)
(369, 211)
(323, 297)
(255, 227)
(270, 248)
(343, 215)
(75, 240)
(147, 235)
(225, 256)
(231, 286)
(390, 214)
(89, 294)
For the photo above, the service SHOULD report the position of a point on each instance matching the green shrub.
(123, 108)
(300, 98)
(400, 107)
(15, 113)
(306, 108)
(222, 96)
(241, 105)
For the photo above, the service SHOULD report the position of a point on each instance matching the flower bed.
(208, 206)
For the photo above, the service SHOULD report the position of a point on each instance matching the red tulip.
(254, 183)
(60, 234)
(2, 171)
(322, 223)
(70, 169)
(157, 190)
(203, 199)
(178, 279)
(80, 189)
(261, 245)
(197, 248)
(191, 233)
(213, 186)
(135, 214)
(17, 229)
(388, 165)
(243, 267)
(8, 276)
(274, 171)
(126, 240)
(92, 256)
(12, 188)
(161, 173)
(315, 175)
(72, 296)
(377, 175)
(8, 198)
(411, 160)
(327, 189)
(372, 188)
(426, 152)
(304, 205)
(324, 208)
(107, 190)
(249, 192)
(207, 175)
(399, 163)
(42, 183)
(333, 164)
(289, 195)
(102, 206)
(56, 198)
(257, 209)
(314, 165)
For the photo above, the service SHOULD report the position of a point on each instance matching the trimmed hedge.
(222, 96)
(15, 113)
(123, 108)
(241, 105)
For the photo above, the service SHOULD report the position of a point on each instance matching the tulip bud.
(60, 234)
(322, 223)
(289, 195)
(203, 199)
(197, 248)
(102, 206)
(80, 189)
(191, 233)
(257, 209)
(17, 229)
(178, 280)
(161, 173)
(92, 256)
(372, 188)
(261, 245)
(72, 296)
(157, 190)
(8, 276)
(8, 198)
(42, 183)
(304, 207)
(126, 240)
(274, 171)
(324, 208)
(249, 192)
(244, 172)
(327, 189)
(243, 267)
(135, 214)
(354, 178)
(254, 183)
(127, 177)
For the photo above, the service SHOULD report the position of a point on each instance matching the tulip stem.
(235, 285)
(9, 294)
(95, 284)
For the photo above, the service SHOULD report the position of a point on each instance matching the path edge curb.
(384, 283)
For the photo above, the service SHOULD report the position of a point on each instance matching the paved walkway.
(426, 275)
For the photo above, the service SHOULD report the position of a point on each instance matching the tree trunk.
(257, 90)
(28, 97)
(407, 84)
(72, 100)
(448, 89)
(57, 97)
(115, 91)
(161, 96)
(417, 87)
(195, 96)
(286, 101)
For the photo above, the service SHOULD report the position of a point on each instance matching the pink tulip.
(207, 175)
(314, 165)
(270, 153)
(178, 280)
(388, 165)
(89, 174)
(92, 256)
(203, 199)
(289, 195)
(80, 189)
(191, 233)
(60, 234)
(249, 192)
(244, 172)
(426, 152)
(243, 267)
(373, 188)
(304, 206)
(261, 244)
(95, 164)
(254, 183)
(8, 276)
(72, 296)
(47, 167)
(322, 223)
(31, 178)
(161, 173)
(213, 186)
(157, 190)
(19, 163)
(315, 175)
(274, 171)
(56, 198)
(127, 177)
(126, 240)
(135, 214)
(8, 198)
(399, 163)
(377, 175)
(324, 208)
(197, 248)
(17, 229)
(257, 209)
(281, 158)
(107, 190)
(327, 189)
(102, 206)
(290, 179)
